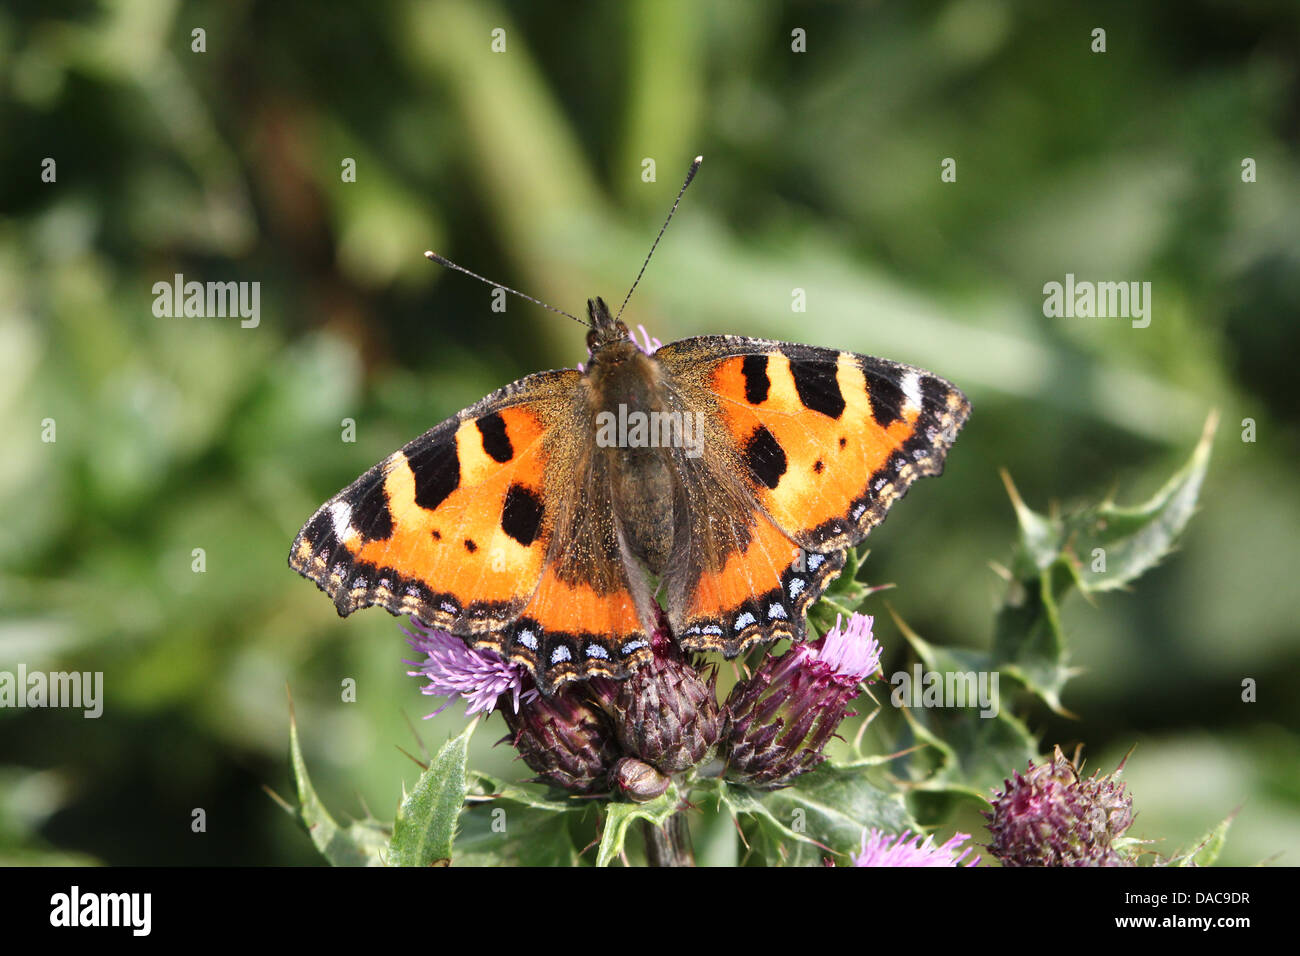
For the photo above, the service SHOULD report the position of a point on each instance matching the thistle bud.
(1050, 816)
(638, 781)
(664, 713)
(779, 721)
(565, 740)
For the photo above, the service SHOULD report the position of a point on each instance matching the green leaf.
(968, 753)
(1117, 545)
(620, 816)
(1207, 848)
(425, 829)
(486, 785)
(1028, 640)
(972, 755)
(363, 843)
(519, 825)
(504, 833)
(740, 802)
(828, 809)
(1095, 548)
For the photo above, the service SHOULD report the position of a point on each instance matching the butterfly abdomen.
(636, 429)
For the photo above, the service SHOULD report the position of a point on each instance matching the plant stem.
(669, 846)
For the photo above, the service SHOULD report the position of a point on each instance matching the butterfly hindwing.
(587, 617)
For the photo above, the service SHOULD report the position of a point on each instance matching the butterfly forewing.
(453, 529)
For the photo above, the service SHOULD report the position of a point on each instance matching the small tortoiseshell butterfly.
(731, 474)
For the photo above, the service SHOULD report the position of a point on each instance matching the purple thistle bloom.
(780, 720)
(847, 655)
(454, 669)
(906, 849)
(651, 345)
(1051, 816)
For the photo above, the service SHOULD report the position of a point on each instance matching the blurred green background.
(822, 173)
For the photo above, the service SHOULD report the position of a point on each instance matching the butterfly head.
(605, 329)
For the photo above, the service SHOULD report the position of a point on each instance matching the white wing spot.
(341, 515)
(595, 650)
(796, 587)
(560, 654)
(744, 621)
(912, 389)
(528, 639)
(776, 611)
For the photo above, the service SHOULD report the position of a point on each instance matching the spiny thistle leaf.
(529, 795)
(1205, 851)
(620, 816)
(505, 833)
(740, 802)
(830, 807)
(1096, 548)
(425, 829)
(968, 751)
(363, 843)
(1117, 545)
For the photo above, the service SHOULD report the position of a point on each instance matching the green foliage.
(971, 755)
(821, 817)
(426, 821)
(620, 816)
(1206, 850)
(361, 843)
(1095, 548)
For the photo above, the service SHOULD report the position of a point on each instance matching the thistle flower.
(565, 739)
(880, 849)
(779, 721)
(664, 713)
(1050, 816)
(454, 669)
(651, 344)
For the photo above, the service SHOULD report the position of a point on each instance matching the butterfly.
(728, 475)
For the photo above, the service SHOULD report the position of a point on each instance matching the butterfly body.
(724, 475)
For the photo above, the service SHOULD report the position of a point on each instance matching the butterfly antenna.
(690, 174)
(443, 261)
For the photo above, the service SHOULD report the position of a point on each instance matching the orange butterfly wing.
(459, 529)
(824, 443)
